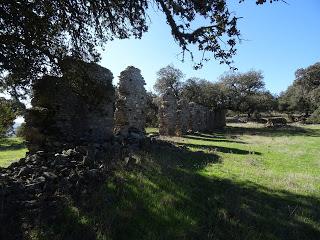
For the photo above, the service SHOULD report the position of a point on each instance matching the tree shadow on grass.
(220, 149)
(288, 130)
(212, 138)
(166, 197)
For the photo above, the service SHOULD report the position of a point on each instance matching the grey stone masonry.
(72, 109)
(168, 114)
(131, 102)
(183, 116)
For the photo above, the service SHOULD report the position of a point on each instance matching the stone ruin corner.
(76, 108)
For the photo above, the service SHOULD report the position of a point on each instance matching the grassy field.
(11, 149)
(247, 182)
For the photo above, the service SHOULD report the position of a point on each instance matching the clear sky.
(280, 38)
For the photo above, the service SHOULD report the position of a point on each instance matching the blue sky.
(280, 38)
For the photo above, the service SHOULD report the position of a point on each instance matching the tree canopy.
(304, 94)
(169, 77)
(36, 35)
(203, 92)
(246, 92)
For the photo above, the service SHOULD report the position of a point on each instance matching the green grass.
(11, 149)
(247, 182)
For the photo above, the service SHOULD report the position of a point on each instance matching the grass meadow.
(246, 182)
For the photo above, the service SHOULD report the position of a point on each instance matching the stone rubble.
(29, 186)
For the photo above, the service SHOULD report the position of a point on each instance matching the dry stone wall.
(73, 109)
(219, 119)
(198, 117)
(179, 117)
(168, 113)
(183, 116)
(131, 102)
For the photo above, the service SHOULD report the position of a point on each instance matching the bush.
(315, 117)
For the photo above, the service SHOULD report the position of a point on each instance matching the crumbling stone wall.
(168, 113)
(203, 118)
(210, 120)
(219, 119)
(187, 117)
(198, 115)
(72, 109)
(183, 115)
(131, 102)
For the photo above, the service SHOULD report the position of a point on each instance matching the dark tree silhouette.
(36, 35)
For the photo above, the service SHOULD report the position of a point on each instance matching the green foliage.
(245, 92)
(7, 116)
(304, 94)
(203, 92)
(315, 117)
(169, 77)
(37, 35)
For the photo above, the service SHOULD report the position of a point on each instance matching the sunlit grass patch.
(11, 149)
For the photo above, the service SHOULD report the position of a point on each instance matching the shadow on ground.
(288, 130)
(165, 197)
(215, 138)
(220, 149)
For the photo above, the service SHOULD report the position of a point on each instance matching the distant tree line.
(243, 93)
(239, 92)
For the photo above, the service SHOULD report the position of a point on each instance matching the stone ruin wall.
(131, 102)
(219, 118)
(168, 114)
(183, 116)
(179, 117)
(76, 108)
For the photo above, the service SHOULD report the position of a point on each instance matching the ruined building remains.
(179, 117)
(76, 108)
(197, 121)
(219, 118)
(168, 113)
(183, 116)
(131, 102)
